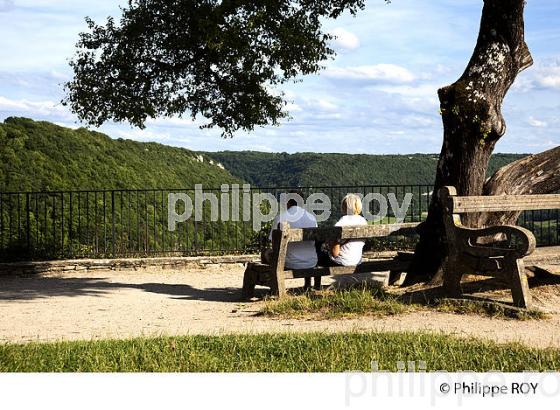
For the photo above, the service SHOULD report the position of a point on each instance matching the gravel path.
(99, 305)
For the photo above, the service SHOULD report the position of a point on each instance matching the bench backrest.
(285, 235)
(454, 204)
(348, 232)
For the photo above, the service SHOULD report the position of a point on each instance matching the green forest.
(311, 169)
(40, 156)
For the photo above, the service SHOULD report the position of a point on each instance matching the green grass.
(370, 301)
(334, 304)
(487, 308)
(275, 353)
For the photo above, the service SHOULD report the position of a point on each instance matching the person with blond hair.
(346, 252)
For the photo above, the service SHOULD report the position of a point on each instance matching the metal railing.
(127, 223)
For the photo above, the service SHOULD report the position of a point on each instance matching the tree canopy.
(220, 59)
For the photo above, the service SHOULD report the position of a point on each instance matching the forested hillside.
(43, 156)
(310, 169)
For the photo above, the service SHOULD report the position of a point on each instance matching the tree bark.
(535, 174)
(472, 120)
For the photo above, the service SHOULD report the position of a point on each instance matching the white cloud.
(537, 123)
(67, 125)
(326, 105)
(316, 104)
(428, 91)
(142, 135)
(390, 73)
(523, 84)
(345, 39)
(544, 75)
(551, 80)
(292, 107)
(33, 108)
(171, 122)
(418, 121)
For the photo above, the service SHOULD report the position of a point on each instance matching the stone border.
(134, 264)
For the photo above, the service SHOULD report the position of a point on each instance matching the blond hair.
(351, 205)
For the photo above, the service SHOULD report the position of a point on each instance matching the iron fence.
(127, 223)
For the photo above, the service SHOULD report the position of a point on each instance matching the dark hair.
(293, 202)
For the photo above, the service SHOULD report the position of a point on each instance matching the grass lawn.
(275, 353)
(374, 302)
(334, 304)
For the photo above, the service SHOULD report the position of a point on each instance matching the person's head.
(351, 205)
(294, 193)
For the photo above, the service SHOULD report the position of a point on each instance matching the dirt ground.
(99, 305)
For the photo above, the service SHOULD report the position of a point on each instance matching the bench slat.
(546, 255)
(499, 203)
(365, 267)
(351, 232)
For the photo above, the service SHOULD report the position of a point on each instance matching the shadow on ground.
(545, 290)
(29, 288)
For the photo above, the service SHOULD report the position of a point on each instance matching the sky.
(378, 96)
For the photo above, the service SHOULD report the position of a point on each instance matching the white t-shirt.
(350, 251)
(299, 255)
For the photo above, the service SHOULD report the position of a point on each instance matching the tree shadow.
(483, 290)
(187, 292)
(14, 288)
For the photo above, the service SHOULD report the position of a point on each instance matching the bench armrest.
(519, 241)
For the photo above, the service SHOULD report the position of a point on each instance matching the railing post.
(62, 225)
(70, 225)
(1, 223)
(113, 222)
(28, 223)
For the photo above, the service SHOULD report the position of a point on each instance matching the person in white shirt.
(346, 253)
(299, 255)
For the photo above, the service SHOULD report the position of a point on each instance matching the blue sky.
(377, 96)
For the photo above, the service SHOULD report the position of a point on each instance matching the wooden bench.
(274, 275)
(496, 251)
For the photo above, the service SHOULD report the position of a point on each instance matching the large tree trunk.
(535, 174)
(472, 119)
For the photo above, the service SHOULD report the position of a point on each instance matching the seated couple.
(308, 254)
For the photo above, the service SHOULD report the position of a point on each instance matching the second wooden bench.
(494, 251)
